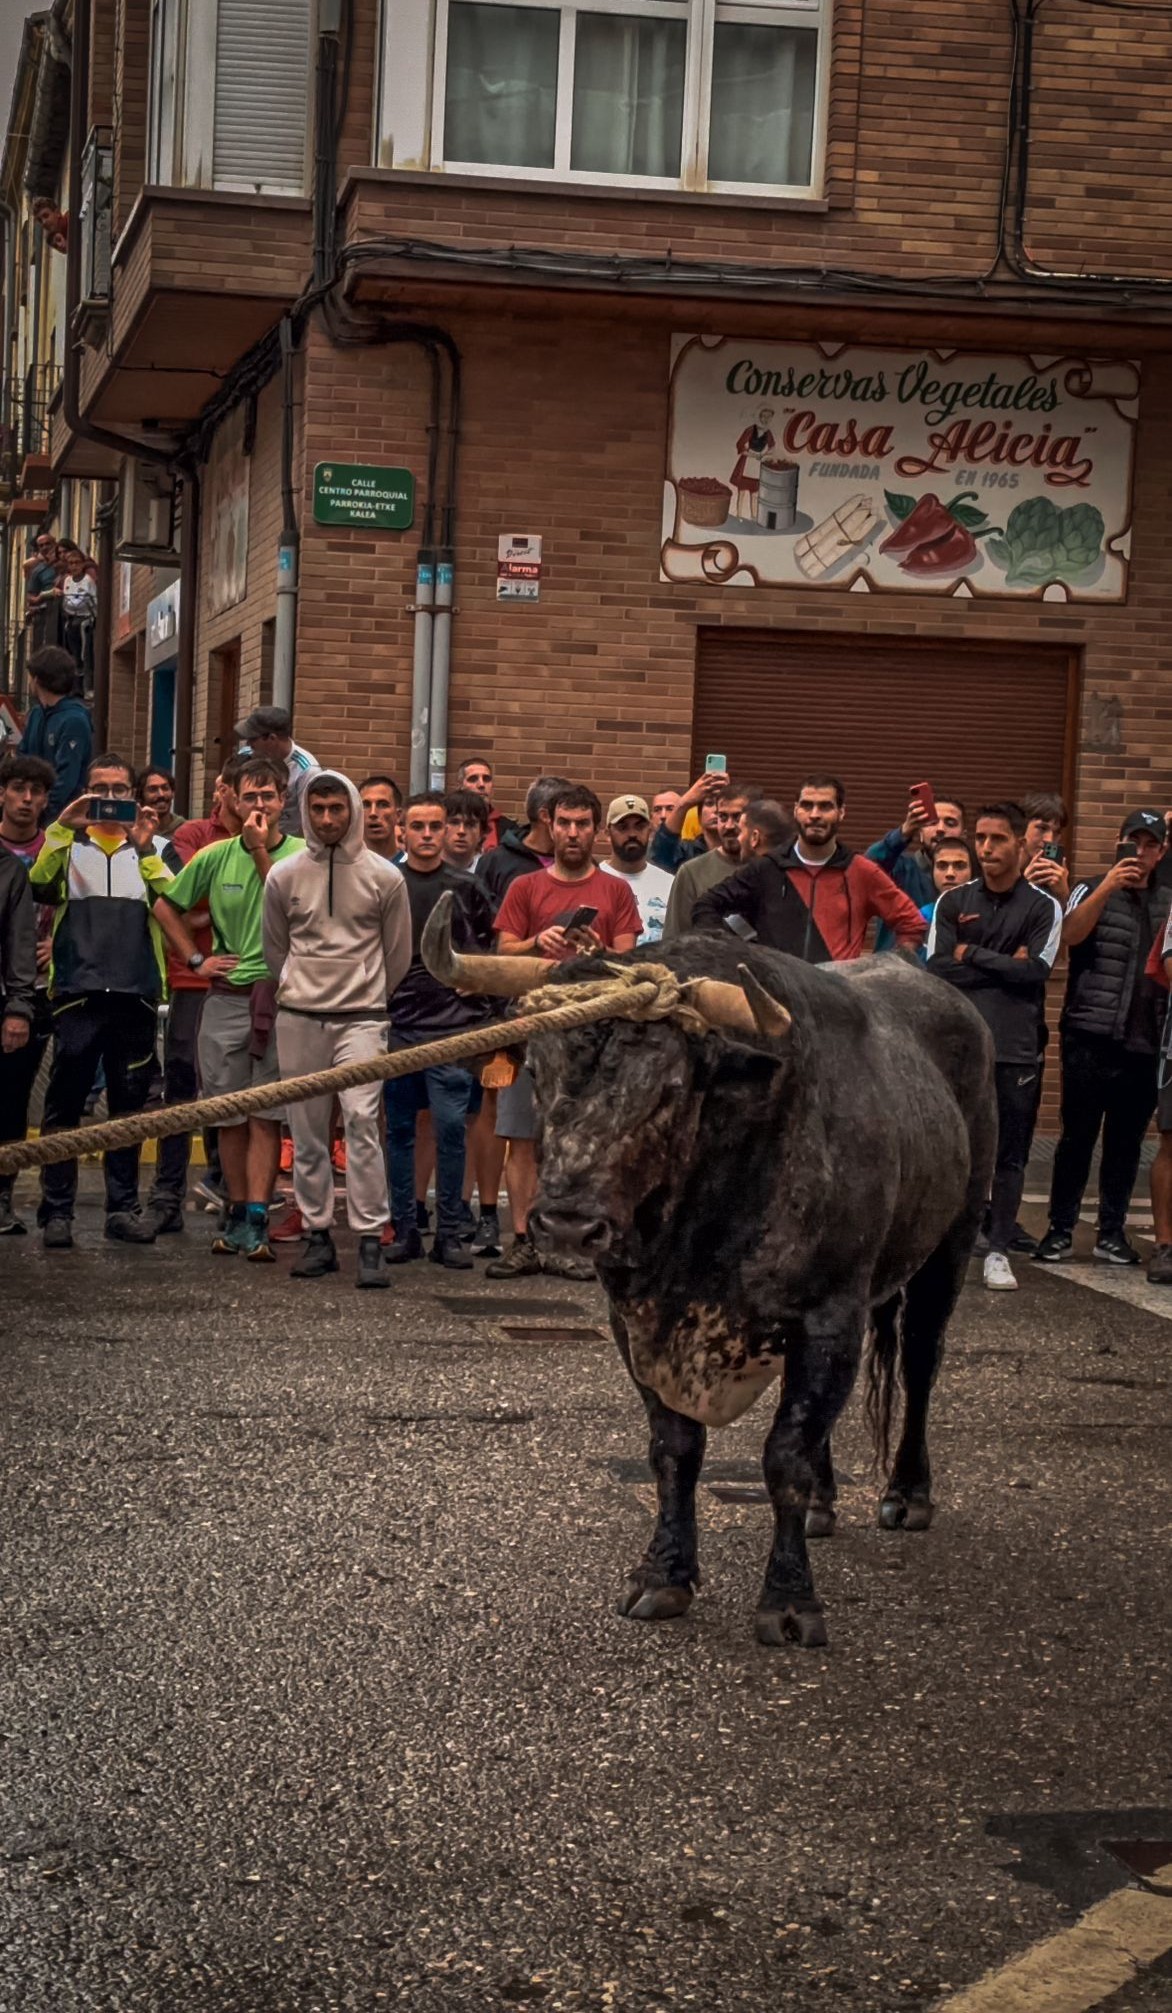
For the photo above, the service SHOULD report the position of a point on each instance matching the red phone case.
(927, 797)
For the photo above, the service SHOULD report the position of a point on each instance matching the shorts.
(516, 1108)
(1164, 1078)
(225, 1065)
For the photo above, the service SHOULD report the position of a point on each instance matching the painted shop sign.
(898, 471)
(369, 498)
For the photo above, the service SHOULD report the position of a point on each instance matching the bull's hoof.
(898, 1512)
(820, 1521)
(804, 1626)
(641, 1603)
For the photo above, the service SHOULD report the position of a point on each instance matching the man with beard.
(628, 829)
(697, 877)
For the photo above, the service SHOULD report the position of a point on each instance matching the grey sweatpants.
(305, 1043)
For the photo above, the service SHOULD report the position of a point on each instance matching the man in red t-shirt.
(537, 915)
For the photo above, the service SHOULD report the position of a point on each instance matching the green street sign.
(370, 499)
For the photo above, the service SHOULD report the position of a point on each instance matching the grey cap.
(264, 720)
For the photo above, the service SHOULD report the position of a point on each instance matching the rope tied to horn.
(643, 992)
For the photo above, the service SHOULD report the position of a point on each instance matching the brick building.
(628, 230)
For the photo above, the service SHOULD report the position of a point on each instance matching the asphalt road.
(312, 1694)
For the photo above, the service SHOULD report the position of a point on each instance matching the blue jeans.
(446, 1092)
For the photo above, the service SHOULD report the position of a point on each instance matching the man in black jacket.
(1110, 1040)
(527, 850)
(996, 938)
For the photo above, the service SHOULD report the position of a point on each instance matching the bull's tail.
(883, 1344)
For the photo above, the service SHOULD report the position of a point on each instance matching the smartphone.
(112, 811)
(1053, 851)
(575, 919)
(740, 927)
(1125, 850)
(716, 765)
(927, 797)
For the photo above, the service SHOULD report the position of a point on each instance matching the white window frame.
(193, 115)
(702, 17)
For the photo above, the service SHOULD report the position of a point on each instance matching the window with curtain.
(723, 94)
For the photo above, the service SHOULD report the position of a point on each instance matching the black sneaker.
(1159, 1266)
(1115, 1250)
(130, 1226)
(467, 1230)
(1022, 1242)
(371, 1270)
(57, 1233)
(422, 1217)
(521, 1259)
(408, 1244)
(450, 1251)
(11, 1225)
(486, 1238)
(317, 1257)
(1054, 1247)
(167, 1218)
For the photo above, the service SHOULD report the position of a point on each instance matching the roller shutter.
(976, 720)
(262, 96)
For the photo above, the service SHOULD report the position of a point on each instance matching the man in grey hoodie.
(337, 935)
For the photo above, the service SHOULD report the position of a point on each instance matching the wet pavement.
(312, 1694)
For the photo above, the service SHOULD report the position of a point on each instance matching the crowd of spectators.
(284, 932)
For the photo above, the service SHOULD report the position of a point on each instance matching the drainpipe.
(188, 616)
(289, 543)
(104, 625)
(421, 669)
(441, 664)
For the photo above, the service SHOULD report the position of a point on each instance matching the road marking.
(1118, 1282)
(1107, 1948)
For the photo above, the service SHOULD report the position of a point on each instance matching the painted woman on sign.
(755, 441)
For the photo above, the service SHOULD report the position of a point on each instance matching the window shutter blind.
(984, 720)
(262, 95)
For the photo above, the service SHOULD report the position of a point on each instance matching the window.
(229, 94)
(717, 94)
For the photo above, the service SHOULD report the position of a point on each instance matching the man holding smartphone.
(1110, 1033)
(99, 867)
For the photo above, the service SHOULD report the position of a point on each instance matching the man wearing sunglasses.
(100, 869)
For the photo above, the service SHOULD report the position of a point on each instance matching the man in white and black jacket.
(1110, 1039)
(997, 938)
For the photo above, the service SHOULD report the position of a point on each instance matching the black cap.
(264, 720)
(1137, 823)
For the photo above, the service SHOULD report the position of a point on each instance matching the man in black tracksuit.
(997, 938)
(1110, 1039)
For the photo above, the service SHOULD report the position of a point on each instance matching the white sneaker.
(999, 1273)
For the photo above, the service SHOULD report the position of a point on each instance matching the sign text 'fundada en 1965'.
(371, 499)
(888, 471)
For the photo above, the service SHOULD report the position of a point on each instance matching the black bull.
(760, 1204)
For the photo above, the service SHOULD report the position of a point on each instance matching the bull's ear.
(771, 1017)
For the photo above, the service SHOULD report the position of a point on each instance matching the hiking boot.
(486, 1238)
(167, 1217)
(1054, 1247)
(318, 1257)
(452, 1252)
(57, 1234)
(371, 1270)
(11, 1224)
(408, 1244)
(999, 1273)
(1115, 1250)
(1159, 1265)
(130, 1226)
(520, 1260)
(559, 1265)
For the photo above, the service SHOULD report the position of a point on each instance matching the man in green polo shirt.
(236, 1042)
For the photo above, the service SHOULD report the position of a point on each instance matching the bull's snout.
(570, 1230)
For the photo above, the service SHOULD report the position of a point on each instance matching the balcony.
(197, 277)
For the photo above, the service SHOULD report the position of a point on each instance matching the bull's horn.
(771, 1017)
(475, 972)
(736, 1011)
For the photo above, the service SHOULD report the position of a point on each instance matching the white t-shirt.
(651, 887)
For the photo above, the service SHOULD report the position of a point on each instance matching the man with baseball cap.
(628, 831)
(1110, 1034)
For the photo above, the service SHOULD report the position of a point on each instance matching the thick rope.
(636, 992)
